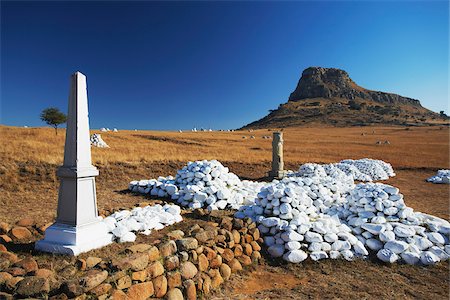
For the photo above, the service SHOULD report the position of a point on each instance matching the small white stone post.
(78, 227)
(277, 156)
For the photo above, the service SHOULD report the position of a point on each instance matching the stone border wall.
(189, 264)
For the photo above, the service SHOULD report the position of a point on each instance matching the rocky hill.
(328, 96)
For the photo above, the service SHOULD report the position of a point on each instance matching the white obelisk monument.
(78, 227)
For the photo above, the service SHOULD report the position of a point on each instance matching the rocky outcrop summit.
(328, 96)
(317, 82)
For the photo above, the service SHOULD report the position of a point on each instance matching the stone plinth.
(78, 228)
(277, 157)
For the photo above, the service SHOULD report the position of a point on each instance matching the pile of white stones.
(293, 218)
(323, 218)
(124, 223)
(442, 176)
(202, 184)
(97, 141)
(318, 212)
(362, 169)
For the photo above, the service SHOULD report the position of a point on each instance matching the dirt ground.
(28, 189)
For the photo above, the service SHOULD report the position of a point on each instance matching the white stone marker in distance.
(78, 227)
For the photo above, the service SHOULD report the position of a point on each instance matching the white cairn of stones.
(362, 169)
(78, 228)
(442, 176)
(97, 141)
(123, 224)
(202, 184)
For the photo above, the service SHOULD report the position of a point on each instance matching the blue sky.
(172, 65)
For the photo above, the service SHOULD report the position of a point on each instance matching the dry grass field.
(28, 188)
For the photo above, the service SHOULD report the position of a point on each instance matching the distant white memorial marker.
(77, 228)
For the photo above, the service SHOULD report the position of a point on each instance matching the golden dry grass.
(415, 148)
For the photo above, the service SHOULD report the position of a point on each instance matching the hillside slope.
(329, 97)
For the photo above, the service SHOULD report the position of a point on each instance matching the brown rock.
(116, 276)
(248, 249)
(72, 288)
(28, 264)
(255, 246)
(187, 244)
(101, 289)
(9, 256)
(235, 265)
(120, 295)
(139, 276)
(228, 255)
(26, 222)
(4, 228)
(176, 235)
(227, 223)
(171, 262)
(155, 269)
(43, 273)
(4, 277)
(32, 286)
(237, 236)
(203, 263)
(216, 262)
(61, 296)
(245, 260)
(225, 271)
(16, 271)
(11, 283)
(188, 270)
(216, 281)
(193, 255)
(183, 255)
(256, 255)
(199, 250)
(238, 250)
(174, 294)
(153, 254)
(248, 238)
(92, 261)
(220, 238)
(140, 291)
(93, 279)
(124, 282)
(206, 286)
(256, 234)
(190, 290)
(43, 228)
(81, 264)
(210, 253)
(5, 239)
(68, 272)
(21, 233)
(168, 248)
(135, 262)
(6, 296)
(3, 248)
(81, 297)
(138, 248)
(238, 223)
(173, 279)
(160, 286)
(205, 236)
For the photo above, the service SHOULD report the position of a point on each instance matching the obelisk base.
(277, 174)
(66, 239)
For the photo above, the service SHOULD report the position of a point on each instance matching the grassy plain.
(28, 188)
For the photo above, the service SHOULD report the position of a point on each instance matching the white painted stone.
(295, 256)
